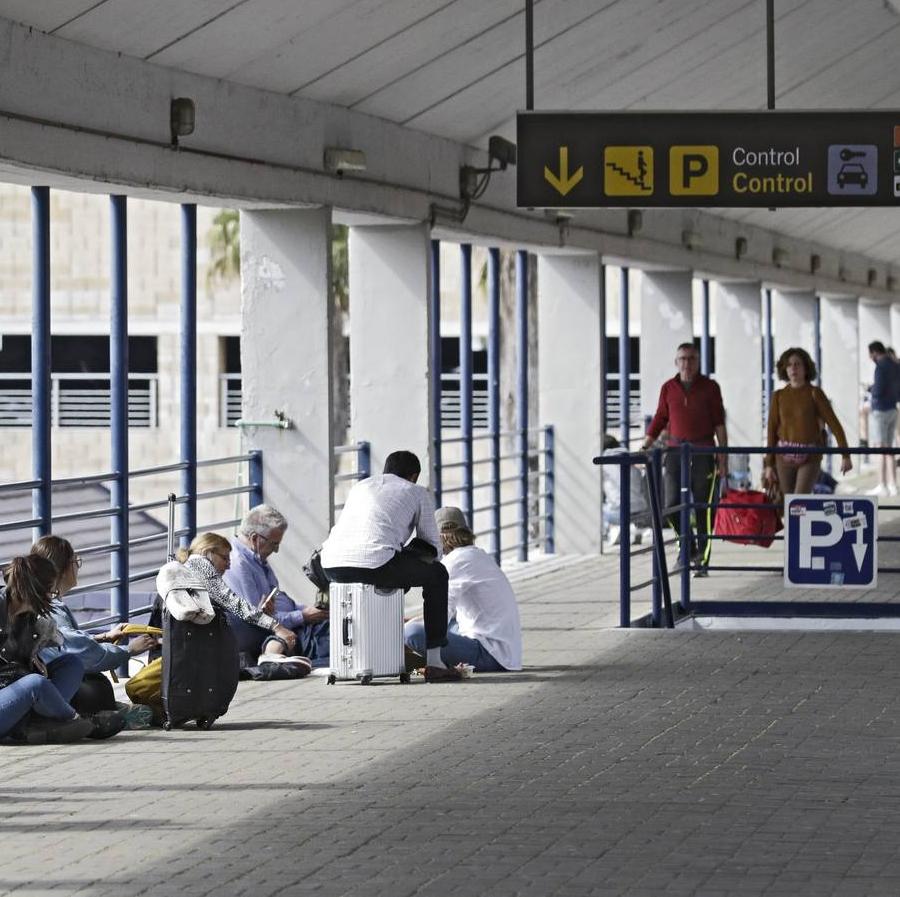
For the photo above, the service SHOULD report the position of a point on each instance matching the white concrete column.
(286, 320)
(895, 326)
(739, 364)
(840, 361)
(569, 396)
(667, 319)
(874, 324)
(793, 316)
(389, 365)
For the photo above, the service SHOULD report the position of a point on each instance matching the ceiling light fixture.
(338, 160)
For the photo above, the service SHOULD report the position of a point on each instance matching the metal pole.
(465, 381)
(522, 395)
(549, 489)
(770, 54)
(189, 370)
(41, 458)
(529, 54)
(767, 351)
(817, 338)
(494, 392)
(656, 588)
(705, 360)
(255, 465)
(434, 340)
(624, 362)
(624, 544)
(604, 358)
(685, 525)
(118, 398)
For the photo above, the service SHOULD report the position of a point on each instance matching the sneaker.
(43, 730)
(646, 536)
(441, 674)
(284, 658)
(106, 723)
(701, 572)
(877, 490)
(612, 537)
(136, 716)
(892, 489)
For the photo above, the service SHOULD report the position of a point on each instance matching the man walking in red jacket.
(690, 410)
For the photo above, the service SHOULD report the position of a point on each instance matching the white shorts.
(884, 424)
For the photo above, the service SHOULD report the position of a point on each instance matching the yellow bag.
(145, 687)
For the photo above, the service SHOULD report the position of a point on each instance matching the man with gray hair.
(250, 575)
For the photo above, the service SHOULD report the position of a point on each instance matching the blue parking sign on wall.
(831, 541)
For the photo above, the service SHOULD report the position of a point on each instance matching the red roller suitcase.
(740, 524)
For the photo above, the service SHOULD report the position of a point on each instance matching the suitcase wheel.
(167, 726)
(404, 678)
(205, 722)
(366, 680)
(332, 679)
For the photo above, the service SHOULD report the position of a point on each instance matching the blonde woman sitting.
(485, 632)
(208, 557)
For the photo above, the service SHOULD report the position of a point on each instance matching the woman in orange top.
(797, 416)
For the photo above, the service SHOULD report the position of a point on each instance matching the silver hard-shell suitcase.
(366, 633)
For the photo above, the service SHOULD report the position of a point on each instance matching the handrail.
(685, 567)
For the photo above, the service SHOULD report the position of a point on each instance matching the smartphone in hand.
(264, 601)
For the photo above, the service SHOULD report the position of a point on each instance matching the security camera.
(501, 151)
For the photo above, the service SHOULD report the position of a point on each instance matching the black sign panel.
(708, 159)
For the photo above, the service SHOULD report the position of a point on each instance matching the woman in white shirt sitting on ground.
(486, 631)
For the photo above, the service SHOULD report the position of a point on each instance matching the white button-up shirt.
(484, 604)
(377, 521)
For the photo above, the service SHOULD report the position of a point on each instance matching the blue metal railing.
(685, 566)
(534, 521)
(121, 577)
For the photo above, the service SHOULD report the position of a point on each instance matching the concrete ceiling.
(455, 68)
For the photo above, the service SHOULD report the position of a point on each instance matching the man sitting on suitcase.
(250, 575)
(367, 545)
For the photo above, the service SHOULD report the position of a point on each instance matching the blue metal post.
(625, 544)
(434, 340)
(705, 359)
(653, 468)
(684, 525)
(364, 460)
(549, 489)
(604, 358)
(522, 395)
(465, 381)
(255, 470)
(767, 351)
(41, 462)
(118, 397)
(189, 370)
(493, 352)
(817, 338)
(624, 362)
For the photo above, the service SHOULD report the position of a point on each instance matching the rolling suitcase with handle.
(199, 662)
(366, 633)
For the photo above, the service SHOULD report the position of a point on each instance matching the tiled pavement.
(637, 763)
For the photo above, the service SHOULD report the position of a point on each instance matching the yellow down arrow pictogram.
(563, 183)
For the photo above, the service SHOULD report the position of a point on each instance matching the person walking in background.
(691, 409)
(797, 416)
(885, 394)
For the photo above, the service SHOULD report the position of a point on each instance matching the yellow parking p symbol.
(693, 170)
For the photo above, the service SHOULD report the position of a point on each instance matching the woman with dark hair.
(797, 417)
(26, 685)
(100, 652)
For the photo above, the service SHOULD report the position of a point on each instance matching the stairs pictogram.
(638, 180)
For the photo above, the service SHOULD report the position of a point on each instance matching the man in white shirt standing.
(367, 545)
(486, 632)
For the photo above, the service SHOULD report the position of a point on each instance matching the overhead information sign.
(831, 541)
(723, 159)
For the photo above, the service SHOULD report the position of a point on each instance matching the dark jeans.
(403, 571)
(703, 490)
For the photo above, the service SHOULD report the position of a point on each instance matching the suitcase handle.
(345, 634)
(170, 536)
